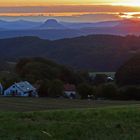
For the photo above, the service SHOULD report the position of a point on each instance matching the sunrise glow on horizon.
(80, 10)
(68, 2)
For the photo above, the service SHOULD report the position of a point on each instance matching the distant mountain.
(54, 30)
(51, 34)
(52, 24)
(91, 25)
(129, 23)
(2, 29)
(18, 25)
(95, 52)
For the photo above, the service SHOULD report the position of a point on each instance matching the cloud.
(68, 8)
(96, 17)
(91, 17)
(79, 13)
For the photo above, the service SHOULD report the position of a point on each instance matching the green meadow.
(64, 120)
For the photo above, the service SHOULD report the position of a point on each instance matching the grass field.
(60, 119)
(41, 104)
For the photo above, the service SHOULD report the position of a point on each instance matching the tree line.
(50, 78)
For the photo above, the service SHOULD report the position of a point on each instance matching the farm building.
(109, 75)
(24, 89)
(70, 91)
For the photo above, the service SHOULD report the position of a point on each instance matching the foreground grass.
(110, 123)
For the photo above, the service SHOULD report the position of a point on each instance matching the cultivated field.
(61, 119)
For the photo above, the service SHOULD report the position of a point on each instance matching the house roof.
(24, 86)
(69, 87)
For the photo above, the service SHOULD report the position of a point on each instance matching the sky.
(52, 2)
(70, 10)
(65, 2)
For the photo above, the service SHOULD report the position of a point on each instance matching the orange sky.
(101, 9)
(44, 2)
(66, 2)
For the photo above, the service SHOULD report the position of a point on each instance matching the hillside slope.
(95, 52)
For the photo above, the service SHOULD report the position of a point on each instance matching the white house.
(24, 89)
(70, 91)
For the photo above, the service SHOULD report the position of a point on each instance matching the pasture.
(61, 119)
(21, 104)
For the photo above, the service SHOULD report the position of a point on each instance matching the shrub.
(129, 73)
(85, 89)
(55, 88)
(43, 88)
(130, 93)
(107, 91)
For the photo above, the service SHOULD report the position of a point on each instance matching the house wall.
(14, 91)
(24, 89)
(68, 93)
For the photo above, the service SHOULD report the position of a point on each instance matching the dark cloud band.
(67, 9)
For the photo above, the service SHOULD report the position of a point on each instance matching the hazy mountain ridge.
(95, 52)
(19, 24)
(54, 30)
(23, 24)
(52, 24)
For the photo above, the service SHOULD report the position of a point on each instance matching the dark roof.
(69, 87)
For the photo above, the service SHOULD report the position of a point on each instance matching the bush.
(9, 79)
(130, 93)
(55, 88)
(37, 69)
(108, 91)
(84, 90)
(129, 73)
(43, 88)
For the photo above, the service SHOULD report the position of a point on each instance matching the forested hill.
(94, 52)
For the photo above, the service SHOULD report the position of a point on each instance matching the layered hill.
(53, 30)
(95, 52)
